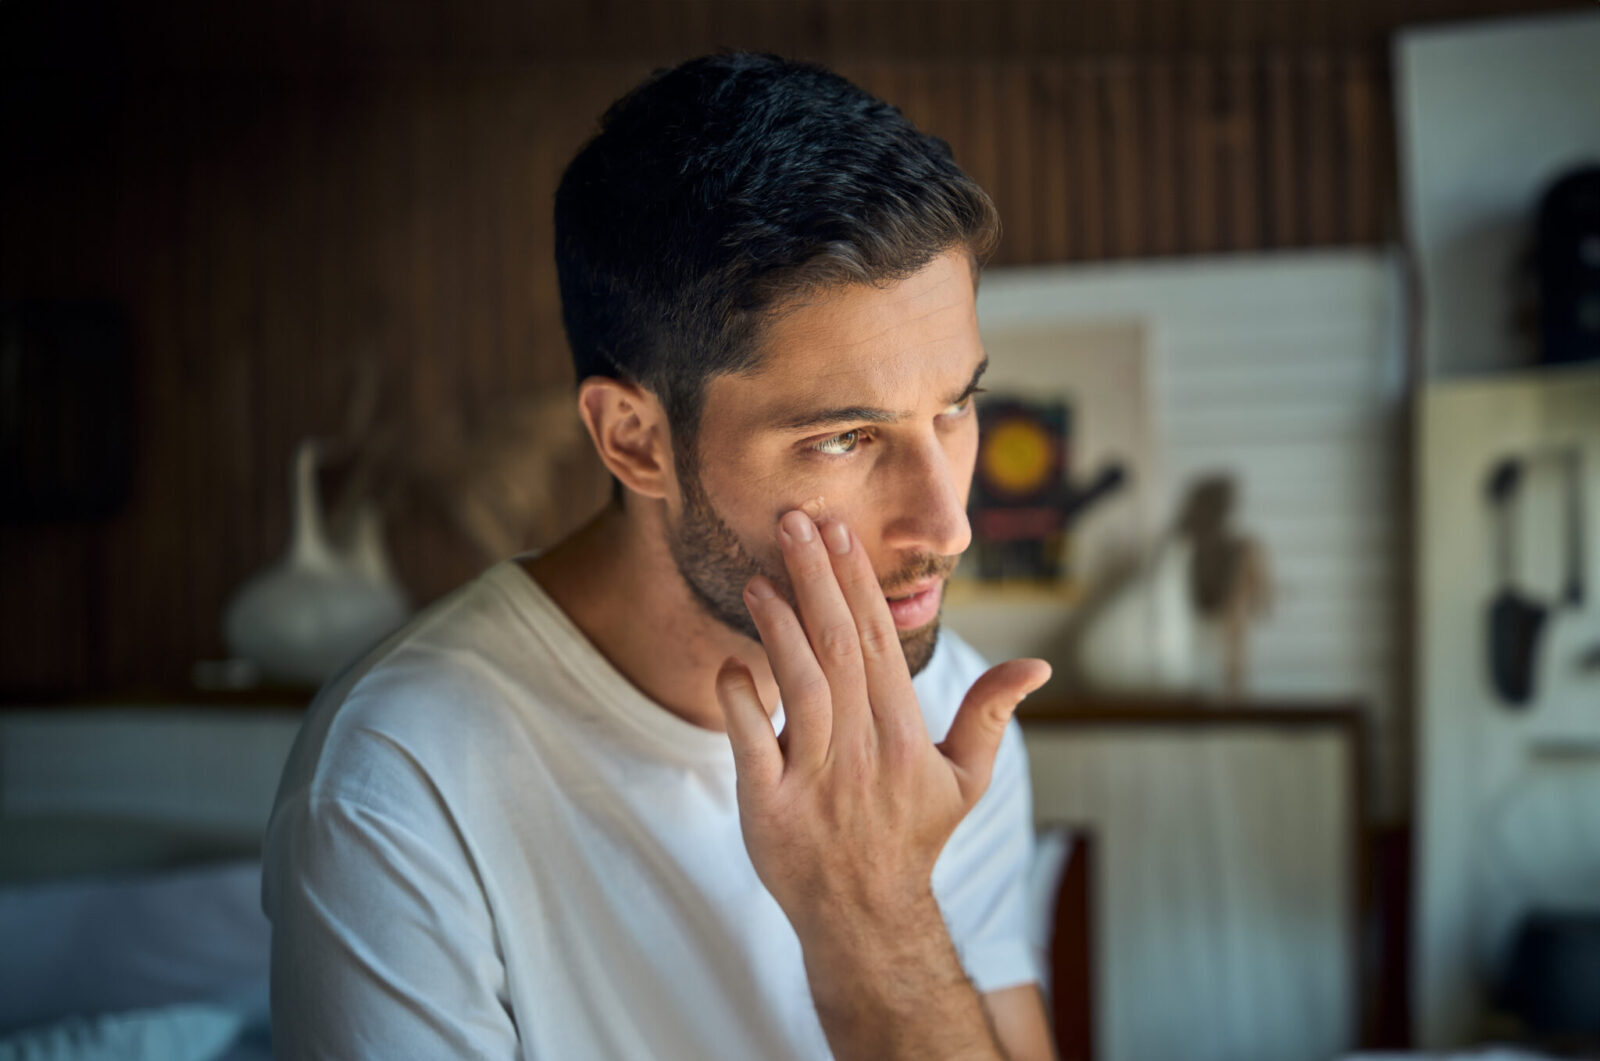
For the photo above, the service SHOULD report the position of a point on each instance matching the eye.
(839, 445)
(963, 406)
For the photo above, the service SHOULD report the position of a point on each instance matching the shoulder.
(426, 707)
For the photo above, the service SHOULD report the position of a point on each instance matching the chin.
(918, 646)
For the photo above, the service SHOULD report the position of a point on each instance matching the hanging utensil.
(1515, 621)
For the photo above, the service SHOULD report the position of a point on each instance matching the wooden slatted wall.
(277, 192)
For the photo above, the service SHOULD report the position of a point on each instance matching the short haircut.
(721, 190)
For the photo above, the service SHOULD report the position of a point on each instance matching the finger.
(807, 701)
(756, 758)
(974, 737)
(829, 626)
(888, 680)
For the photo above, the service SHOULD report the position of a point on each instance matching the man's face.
(861, 408)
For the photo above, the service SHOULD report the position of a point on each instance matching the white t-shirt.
(488, 844)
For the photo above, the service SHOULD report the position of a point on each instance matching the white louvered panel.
(1230, 376)
(1300, 657)
(1360, 530)
(1301, 342)
(1275, 424)
(1343, 571)
(1223, 905)
(1284, 371)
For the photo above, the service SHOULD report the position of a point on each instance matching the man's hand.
(845, 813)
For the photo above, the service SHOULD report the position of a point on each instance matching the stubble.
(716, 566)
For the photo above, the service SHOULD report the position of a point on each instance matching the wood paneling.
(279, 193)
(378, 34)
(269, 238)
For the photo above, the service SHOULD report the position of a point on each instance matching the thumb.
(974, 737)
(757, 759)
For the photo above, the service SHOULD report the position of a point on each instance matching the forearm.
(894, 989)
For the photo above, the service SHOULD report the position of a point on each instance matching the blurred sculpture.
(1229, 578)
(520, 478)
(514, 476)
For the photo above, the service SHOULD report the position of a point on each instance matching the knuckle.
(863, 582)
(997, 716)
(862, 773)
(789, 630)
(904, 746)
(839, 642)
(813, 690)
(784, 624)
(879, 638)
(811, 564)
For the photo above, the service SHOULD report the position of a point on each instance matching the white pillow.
(119, 944)
(194, 1032)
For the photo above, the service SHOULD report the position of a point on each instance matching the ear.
(629, 429)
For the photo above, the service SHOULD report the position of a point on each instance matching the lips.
(918, 606)
(912, 590)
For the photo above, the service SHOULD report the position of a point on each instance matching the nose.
(928, 500)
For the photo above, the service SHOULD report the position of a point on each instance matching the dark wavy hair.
(721, 190)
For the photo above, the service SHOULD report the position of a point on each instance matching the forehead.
(900, 347)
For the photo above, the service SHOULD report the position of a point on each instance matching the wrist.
(877, 980)
(874, 938)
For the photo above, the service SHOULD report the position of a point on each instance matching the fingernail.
(798, 526)
(837, 535)
(760, 589)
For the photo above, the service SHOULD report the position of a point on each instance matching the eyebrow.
(869, 414)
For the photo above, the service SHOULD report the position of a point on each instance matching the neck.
(617, 582)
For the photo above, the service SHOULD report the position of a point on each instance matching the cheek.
(750, 499)
(766, 493)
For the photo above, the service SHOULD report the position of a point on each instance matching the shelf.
(287, 697)
(1060, 593)
(1102, 709)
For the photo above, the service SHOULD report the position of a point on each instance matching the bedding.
(161, 965)
(170, 1033)
(174, 965)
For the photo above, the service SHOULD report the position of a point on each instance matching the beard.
(716, 566)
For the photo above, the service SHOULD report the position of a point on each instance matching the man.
(669, 789)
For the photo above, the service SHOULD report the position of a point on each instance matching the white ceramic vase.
(316, 609)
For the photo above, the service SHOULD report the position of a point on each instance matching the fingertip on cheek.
(837, 535)
(795, 527)
(759, 589)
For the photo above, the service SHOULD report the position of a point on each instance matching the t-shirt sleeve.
(981, 879)
(383, 944)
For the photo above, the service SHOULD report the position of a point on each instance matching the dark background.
(276, 194)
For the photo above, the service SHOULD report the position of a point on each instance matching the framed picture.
(1098, 372)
